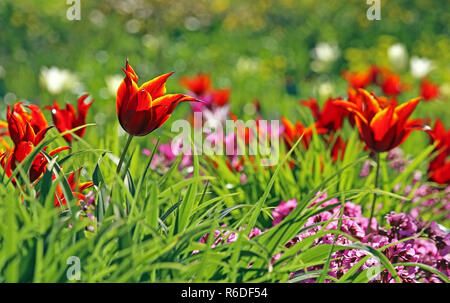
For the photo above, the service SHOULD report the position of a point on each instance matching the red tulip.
(293, 132)
(220, 96)
(22, 127)
(361, 79)
(381, 128)
(199, 85)
(392, 84)
(143, 109)
(435, 169)
(428, 90)
(330, 118)
(68, 118)
(441, 174)
(358, 79)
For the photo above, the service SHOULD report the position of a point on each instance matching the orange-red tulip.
(381, 128)
(428, 90)
(331, 116)
(293, 132)
(68, 118)
(144, 109)
(26, 130)
(363, 78)
(436, 170)
(220, 96)
(199, 85)
(358, 79)
(392, 84)
(23, 126)
(441, 174)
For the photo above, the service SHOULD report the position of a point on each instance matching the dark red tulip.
(68, 118)
(143, 109)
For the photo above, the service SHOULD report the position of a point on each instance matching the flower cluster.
(420, 242)
(27, 127)
(390, 82)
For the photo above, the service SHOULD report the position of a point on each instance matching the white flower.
(420, 67)
(113, 83)
(325, 52)
(398, 55)
(326, 90)
(56, 80)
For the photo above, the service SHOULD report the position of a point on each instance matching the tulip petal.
(372, 103)
(353, 108)
(382, 122)
(38, 121)
(126, 91)
(157, 86)
(313, 106)
(22, 150)
(405, 110)
(83, 107)
(129, 70)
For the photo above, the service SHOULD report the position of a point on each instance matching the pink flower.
(282, 210)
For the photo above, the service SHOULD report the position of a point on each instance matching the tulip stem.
(124, 152)
(374, 200)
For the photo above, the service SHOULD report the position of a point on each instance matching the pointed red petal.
(157, 86)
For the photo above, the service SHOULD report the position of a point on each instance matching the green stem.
(374, 200)
(124, 152)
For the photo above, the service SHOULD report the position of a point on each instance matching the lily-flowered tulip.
(381, 127)
(330, 117)
(143, 109)
(428, 90)
(293, 132)
(392, 84)
(199, 85)
(68, 118)
(22, 128)
(438, 168)
(220, 96)
(361, 79)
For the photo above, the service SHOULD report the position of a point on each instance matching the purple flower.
(282, 210)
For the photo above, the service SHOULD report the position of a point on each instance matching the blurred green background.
(253, 47)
